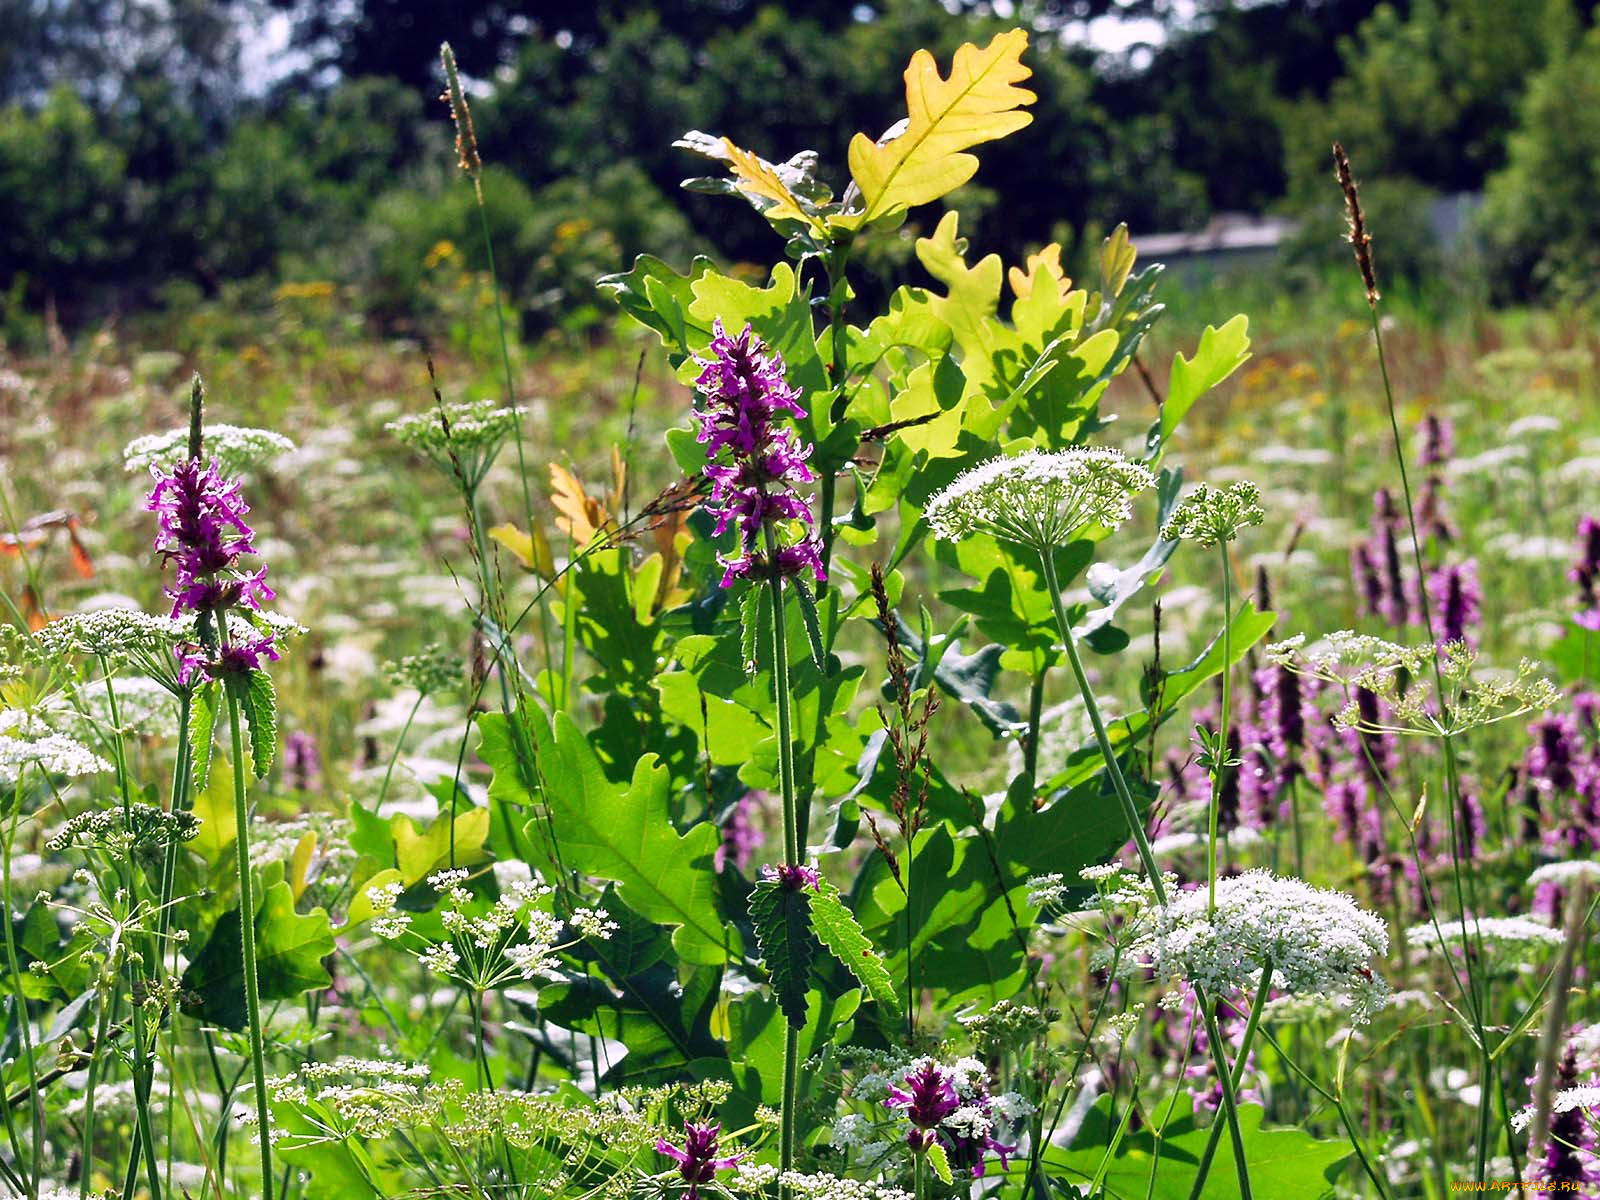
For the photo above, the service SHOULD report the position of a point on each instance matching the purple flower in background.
(1457, 602)
(1586, 573)
(697, 1159)
(755, 464)
(302, 764)
(1570, 1154)
(1438, 440)
(740, 837)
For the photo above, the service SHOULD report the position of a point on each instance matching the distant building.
(1233, 241)
(1228, 242)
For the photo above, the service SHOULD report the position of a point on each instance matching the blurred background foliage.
(156, 154)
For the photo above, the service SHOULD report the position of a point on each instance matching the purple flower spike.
(201, 531)
(928, 1098)
(754, 465)
(697, 1159)
(1586, 572)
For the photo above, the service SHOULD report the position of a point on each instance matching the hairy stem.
(247, 939)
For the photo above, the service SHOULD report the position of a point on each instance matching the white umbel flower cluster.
(1585, 1097)
(1039, 499)
(50, 754)
(234, 447)
(1502, 938)
(1566, 874)
(1319, 942)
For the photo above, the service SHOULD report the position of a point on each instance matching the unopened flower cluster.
(1210, 515)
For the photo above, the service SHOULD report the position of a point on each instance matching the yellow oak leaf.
(758, 177)
(979, 102)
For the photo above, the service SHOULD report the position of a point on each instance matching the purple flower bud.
(794, 878)
(928, 1098)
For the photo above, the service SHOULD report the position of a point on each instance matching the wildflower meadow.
(990, 736)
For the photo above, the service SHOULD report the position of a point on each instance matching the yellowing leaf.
(1044, 265)
(979, 102)
(582, 516)
(300, 863)
(361, 909)
(531, 550)
(757, 177)
(421, 854)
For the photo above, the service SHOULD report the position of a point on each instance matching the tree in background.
(1540, 213)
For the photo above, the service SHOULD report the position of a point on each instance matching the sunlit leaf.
(979, 102)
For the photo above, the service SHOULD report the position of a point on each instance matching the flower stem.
(1231, 1082)
(1119, 784)
(791, 838)
(247, 939)
(1219, 765)
(20, 998)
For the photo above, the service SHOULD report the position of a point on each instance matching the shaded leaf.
(289, 953)
(782, 919)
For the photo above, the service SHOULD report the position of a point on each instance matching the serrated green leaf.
(808, 617)
(838, 930)
(202, 726)
(940, 1162)
(259, 702)
(620, 832)
(782, 919)
(750, 628)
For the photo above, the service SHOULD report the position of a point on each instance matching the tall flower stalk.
(203, 535)
(1361, 243)
(755, 465)
(1039, 502)
(1212, 517)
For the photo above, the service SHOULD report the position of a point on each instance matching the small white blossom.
(1502, 937)
(1566, 874)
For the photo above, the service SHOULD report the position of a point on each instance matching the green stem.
(1230, 1106)
(791, 840)
(86, 1153)
(1219, 764)
(1119, 784)
(24, 1021)
(1464, 883)
(247, 938)
(1231, 1082)
(399, 744)
(505, 350)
